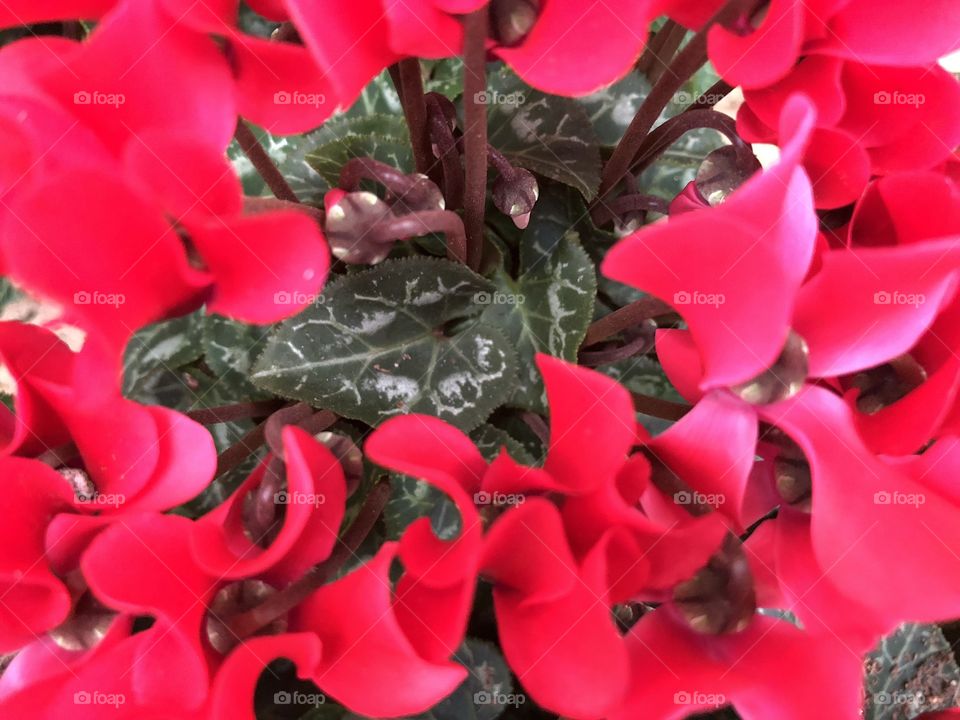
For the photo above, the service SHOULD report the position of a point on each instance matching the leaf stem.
(475, 133)
(262, 162)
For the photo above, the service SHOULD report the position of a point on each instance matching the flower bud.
(351, 218)
(723, 171)
(515, 194)
(512, 20)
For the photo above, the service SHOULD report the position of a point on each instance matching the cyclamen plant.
(460, 359)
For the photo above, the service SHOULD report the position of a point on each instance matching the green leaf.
(548, 309)
(412, 499)
(444, 76)
(488, 690)
(642, 375)
(612, 109)
(911, 672)
(230, 348)
(379, 97)
(384, 137)
(547, 134)
(399, 338)
(165, 345)
(489, 440)
(289, 155)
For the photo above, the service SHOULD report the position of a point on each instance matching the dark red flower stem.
(684, 65)
(236, 411)
(276, 606)
(676, 127)
(641, 344)
(674, 35)
(261, 161)
(652, 53)
(632, 202)
(475, 133)
(415, 111)
(442, 136)
(254, 205)
(367, 168)
(234, 455)
(628, 316)
(659, 408)
(711, 96)
(422, 223)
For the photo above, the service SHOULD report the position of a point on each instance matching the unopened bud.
(515, 194)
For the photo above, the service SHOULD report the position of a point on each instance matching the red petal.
(889, 296)
(737, 296)
(33, 598)
(258, 279)
(550, 58)
(364, 646)
(592, 424)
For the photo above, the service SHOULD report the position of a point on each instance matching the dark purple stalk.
(475, 134)
(263, 164)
